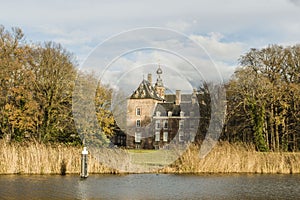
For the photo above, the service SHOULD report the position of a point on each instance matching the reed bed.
(235, 158)
(35, 158)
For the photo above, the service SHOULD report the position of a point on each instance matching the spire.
(159, 71)
(159, 86)
(159, 80)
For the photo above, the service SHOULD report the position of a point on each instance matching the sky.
(225, 29)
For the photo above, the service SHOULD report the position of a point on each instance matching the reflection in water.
(82, 189)
(151, 186)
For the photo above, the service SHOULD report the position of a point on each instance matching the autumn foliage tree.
(18, 104)
(36, 87)
(264, 99)
(53, 82)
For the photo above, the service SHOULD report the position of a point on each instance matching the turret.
(159, 86)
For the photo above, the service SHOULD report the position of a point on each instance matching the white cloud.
(234, 25)
(185, 64)
(218, 50)
(179, 25)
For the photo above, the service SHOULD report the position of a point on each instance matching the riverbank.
(35, 158)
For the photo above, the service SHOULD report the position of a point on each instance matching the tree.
(36, 92)
(261, 98)
(36, 89)
(91, 103)
(54, 75)
(17, 104)
(103, 98)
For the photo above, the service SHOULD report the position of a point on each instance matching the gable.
(145, 91)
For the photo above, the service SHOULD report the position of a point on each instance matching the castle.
(156, 119)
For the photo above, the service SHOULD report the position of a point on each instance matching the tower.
(159, 86)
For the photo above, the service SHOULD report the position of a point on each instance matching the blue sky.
(226, 29)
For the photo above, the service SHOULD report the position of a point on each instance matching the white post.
(84, 163)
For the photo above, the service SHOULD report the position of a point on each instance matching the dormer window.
(157, 113)
(181, 114)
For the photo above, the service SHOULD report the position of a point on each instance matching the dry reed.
(235, 158)
(35, 158)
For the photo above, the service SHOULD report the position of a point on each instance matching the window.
(157, 124)
(137, 137)
(165, 136)
(165, 124)
(192, 136)
(181, 136)
(138, 123)
(181, 123)
(157, 136)
(138, 111)
(192, 113)
(192, 124)
(157, 113)
(181, 114)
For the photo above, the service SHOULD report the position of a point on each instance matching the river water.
(151, 186)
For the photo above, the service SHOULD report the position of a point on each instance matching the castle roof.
(172, 97)
(187, 108)
(164, 108)
(145, 91)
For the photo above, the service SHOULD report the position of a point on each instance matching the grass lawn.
(141, 150)
(157, 158)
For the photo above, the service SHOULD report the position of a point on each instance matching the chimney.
(150, 78)
(194, 96)
(178, 97)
